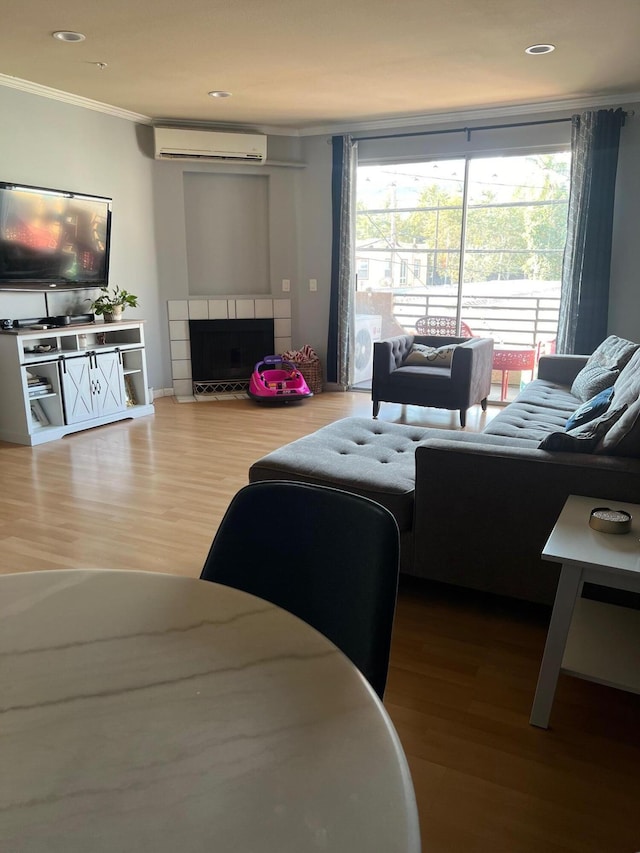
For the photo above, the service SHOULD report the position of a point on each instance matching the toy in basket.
(276, 380)
(308, 364)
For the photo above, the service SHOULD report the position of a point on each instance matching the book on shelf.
(130, 392)
(38, 384)
(38, 416)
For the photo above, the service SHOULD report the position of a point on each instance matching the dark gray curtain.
(341, 300)
(584, 298)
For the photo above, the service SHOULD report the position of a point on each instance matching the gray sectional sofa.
(476, 509)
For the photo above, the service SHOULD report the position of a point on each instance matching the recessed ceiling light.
(538, 49)
(219, 94)
(67, 35)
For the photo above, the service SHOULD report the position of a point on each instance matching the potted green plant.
(111, 303)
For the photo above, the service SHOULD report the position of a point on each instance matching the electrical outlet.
(313, 284)
(286, 285)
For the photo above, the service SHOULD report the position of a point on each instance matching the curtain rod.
(468, 130)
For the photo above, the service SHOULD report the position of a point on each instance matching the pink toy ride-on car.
(275, 380)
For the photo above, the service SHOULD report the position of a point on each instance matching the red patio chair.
(442, 326)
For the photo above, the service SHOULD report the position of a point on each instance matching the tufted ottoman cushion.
(371, 458)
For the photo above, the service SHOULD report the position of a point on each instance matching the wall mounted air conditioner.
(173, 143)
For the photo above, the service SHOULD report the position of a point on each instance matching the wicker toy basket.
(309, 366)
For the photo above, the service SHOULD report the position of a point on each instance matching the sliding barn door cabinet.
(61, 380)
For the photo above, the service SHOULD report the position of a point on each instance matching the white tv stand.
(93, 374)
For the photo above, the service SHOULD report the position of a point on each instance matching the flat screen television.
(52, 239)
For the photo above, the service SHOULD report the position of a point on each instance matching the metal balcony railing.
(510, 320)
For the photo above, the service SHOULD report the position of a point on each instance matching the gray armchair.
(466, 382)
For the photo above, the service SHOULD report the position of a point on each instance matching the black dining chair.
(327, 556)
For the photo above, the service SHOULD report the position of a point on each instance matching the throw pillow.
(624, 438)
(590, 410)
(613, 353)
(585, 438)
(591, 380)
(420, 354)
(627, 386)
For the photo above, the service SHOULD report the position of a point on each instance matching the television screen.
(52, 238)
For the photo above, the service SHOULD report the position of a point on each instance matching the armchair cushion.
(425, 356)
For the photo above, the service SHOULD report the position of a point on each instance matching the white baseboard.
(161, 392)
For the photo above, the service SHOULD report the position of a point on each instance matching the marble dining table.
(149, 712)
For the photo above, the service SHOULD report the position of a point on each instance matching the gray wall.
(281, 228)
(220, 211)
(53, 144)
(49, 143)
(311, 309)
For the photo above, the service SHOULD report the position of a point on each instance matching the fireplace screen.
(227, 350)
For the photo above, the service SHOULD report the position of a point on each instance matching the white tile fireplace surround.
(180, 311)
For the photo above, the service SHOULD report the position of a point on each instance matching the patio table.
(512, 358)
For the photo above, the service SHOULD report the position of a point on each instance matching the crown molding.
(69, 98)
(469, 115)
(453, 116)
(139, 118)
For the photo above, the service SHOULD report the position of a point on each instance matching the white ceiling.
(300, 64)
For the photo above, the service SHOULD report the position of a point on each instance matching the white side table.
(590, 639)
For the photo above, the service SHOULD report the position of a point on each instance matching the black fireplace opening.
(228, 350)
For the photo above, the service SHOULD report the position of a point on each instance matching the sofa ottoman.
(375, 459)
(370, 458)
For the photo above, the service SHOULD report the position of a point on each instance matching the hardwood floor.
(149, 494)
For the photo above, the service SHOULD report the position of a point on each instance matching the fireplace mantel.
(180, 311)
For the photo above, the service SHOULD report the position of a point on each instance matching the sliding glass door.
(476, 242)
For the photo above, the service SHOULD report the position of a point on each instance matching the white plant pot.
(114, 316)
